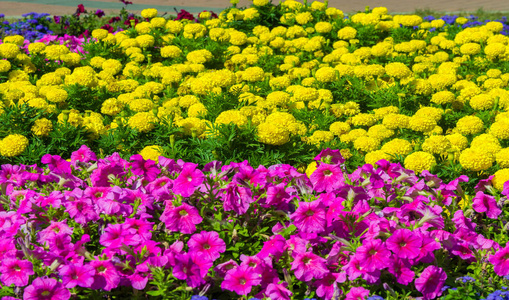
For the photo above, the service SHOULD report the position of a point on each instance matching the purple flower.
(46, 289)
(278, 291)
(142, 167)
(486, 203)
(192, 268)
(241, 280)
(77, 275)
(327, 178)
(404, 244)
(236, 198)
(308, 265)
(83, 154)
(373, 255)
(99, 13)
(106, 275)
(400, 268)
(57, 164)
(207, 244)
(15, 271)
(357, 293)
(430, 282)
(188, 180)
(500, 261)
(327, 285)
(310, 217)
(182, 218)
(329, 156)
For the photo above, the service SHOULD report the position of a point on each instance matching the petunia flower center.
(402, 244)
(183, 213)
(45, 293)
(306, 260)
(372, 252)
(327, 172)
(17, 268)
(309, 213)
(242, 281)
(206, 246)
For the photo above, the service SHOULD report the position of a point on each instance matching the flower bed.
(134, 228)
(269, 84)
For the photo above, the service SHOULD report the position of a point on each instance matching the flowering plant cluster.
(95, 226)
(31, 26)
(431, 95)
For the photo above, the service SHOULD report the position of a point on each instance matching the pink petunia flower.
(146, 168)
(106, 275)
(308, 265)
(500, 261)
(404, 244)
(241, 280)
(207, 244)
(400, 268)
(188, 180)
(486, 203)
(278, 291)
(357, 293)
(327, 178)
(183, 218)
(192, 268)
(83, 154)
(77, 275)
(47, 289)
(327, 286)
(310, 217)
(15, 271)
(431, 282)
(373, 255)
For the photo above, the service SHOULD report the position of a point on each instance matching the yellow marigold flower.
(197, 110)
(374, 156)
(420, 161)
(351, 136)
(143, 121)
(232, 116)
(500, 129)
(421, 123)
(443, 97)
(461, 20)
(397, 70)
(366, 144)
(192, 126)
(363, 119)
(502, 158)
(436, 144)
(13, 145)
(158, 22)
(470, 49)
(42, 127)
(140, 105)
(149, 13)
(469, 125)
(380, 132)
(99, 34)
(433, 113)
(339, 128)
(397, 147)
(5, 66)
(272, 134)
(253, 74)
(494, 50)
(326, 74)
(347, 33)
(9, 51)
(487, 142)
(304, 17)
(323, 27)
(112, 107)
(476, 159)
(320, 136)
(56, 95)
(500, 178)
(458, 141)
(260, 2)
(305, 94)
(152, 152)
(482, 102)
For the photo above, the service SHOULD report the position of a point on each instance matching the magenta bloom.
(142, 167)
(240, 280)
(236, 198)
(486, 203)
(308, 265)
(431, 282)
(327, 285)
(400, 268)
(277, 292)
(327, 178)
(83, 154)
(404, 244)
(106, 275)
(57, 164)
(500, 261)
(73, 275)
(182, 218)
(192, 268)
(310, 217)
(188, 180)
(46, 289)
(207, 244)
(373, 255)
(357, 293)
(15, 271)
(274, 246)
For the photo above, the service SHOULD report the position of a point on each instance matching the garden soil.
(61, 7)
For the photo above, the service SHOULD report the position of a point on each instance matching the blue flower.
(197, 297)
